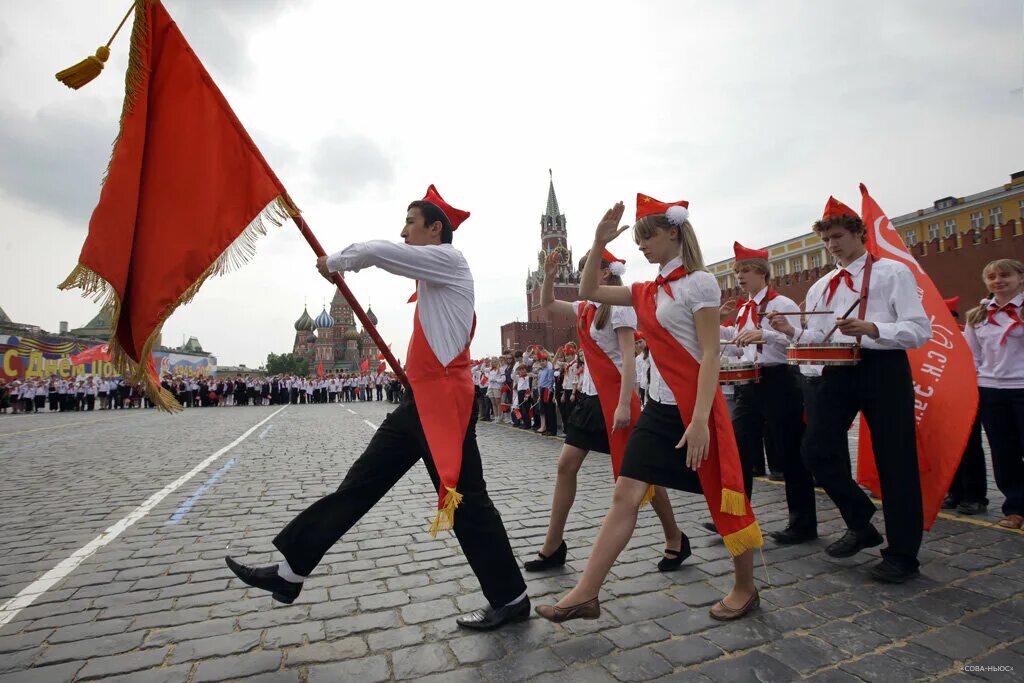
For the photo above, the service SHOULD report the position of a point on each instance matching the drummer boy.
(772, 407)
(878, 307)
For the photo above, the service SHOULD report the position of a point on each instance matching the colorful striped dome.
(304, 323)
(324, 319)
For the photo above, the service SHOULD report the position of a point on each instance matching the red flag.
(100, 352)
(381, 366)
(320, 369)
(186, 195)
(364, 366)
(945, 381)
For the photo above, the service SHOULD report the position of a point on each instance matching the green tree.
(286, 364)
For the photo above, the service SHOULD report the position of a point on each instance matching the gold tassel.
(648, 496)
(89, 68)
(734, 503)
(743, 540)
(444, 520)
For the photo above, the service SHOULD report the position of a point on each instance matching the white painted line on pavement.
(350, 410)
(265, 431)
(29, 593)
(370, 423)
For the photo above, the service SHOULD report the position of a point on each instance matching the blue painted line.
(187, 505)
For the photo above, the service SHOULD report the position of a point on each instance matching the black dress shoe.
(852, 542)
(555, 559)
(791, 536)
(949, 502)
(887, 572)
(776, 476)
(971, 507)
(668, 564)
(710, 526)
(266, 578)
(489, 618)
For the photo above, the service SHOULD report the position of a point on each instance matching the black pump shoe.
(266, 578)
(853, 542)
(668, 564)
(555, 559)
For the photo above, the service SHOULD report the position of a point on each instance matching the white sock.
(517, 600)
(286, 573)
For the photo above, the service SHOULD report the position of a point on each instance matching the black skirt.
(585, 428)
(651, 453)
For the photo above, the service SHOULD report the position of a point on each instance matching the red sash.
(608, 381)
(444, 398)
(721, 475)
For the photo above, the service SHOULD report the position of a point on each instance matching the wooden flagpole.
(300, 222)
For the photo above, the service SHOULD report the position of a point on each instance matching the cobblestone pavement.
(157, 604)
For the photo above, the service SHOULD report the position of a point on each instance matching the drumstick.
(801, 313)
(845, 316)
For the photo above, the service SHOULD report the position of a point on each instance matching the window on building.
(815, 260)
(950, 226)
(977, 220)
(911, 238)
(1020, 207)
(796, 265)
(995, 215)
(933, 231)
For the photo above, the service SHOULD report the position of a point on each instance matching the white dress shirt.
(894, 306)
(642, 364)
(690, 294)
(773, 351)
(1000, 366)
(606, 339)
(444, 293)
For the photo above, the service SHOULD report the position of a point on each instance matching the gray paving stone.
(215, 646)
(477, 648)
(880, 668)
(367, 669)
(850, 637)
(583, 649)
(337, 628)
(58, 673)
(104, 667)
(688, 651)
(421, 660)
(277, 637)
(332, 651)
(23, 641)
(164, 674)
(239, 666)
(921, 658)
(804, 654)
(522, 666)
(394, 638)
(91, 647)
(752, 667)
(635, 635)
(425, 611)
(641, 664)
(643, 607)
(890, 624)
(956, 642)
(177, 634)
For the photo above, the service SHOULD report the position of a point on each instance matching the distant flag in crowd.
(320, 369)
(945, 381)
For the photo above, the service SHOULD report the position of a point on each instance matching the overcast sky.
(754, 112)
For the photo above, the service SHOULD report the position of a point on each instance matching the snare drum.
(823, 354)
(743, 372)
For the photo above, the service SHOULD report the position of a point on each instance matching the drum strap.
(865, 285)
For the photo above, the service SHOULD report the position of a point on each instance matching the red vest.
(608, 381)
(721, 475)
(444, 396)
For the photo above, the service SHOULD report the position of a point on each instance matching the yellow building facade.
(964, 216)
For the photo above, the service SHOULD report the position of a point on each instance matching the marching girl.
(995, 333)
(683, 439)
(606, 409)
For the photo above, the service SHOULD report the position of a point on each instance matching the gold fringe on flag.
(237, 254)
(734, 502)
(89, 68)
(445, 518)
(743, 540)
(648, 496)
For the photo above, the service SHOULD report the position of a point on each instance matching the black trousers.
(768, 415)
(880, 386)
(1002, 414)
(394, 448)
(970, 483)
(548, 408)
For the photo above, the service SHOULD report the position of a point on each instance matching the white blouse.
(1000, 366)
(773, 351)
(690, 294)
(606, 339)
